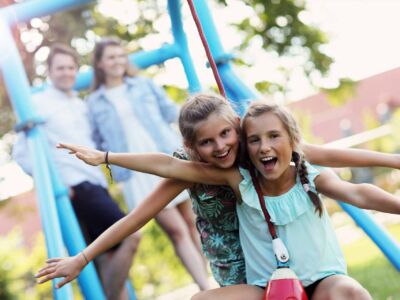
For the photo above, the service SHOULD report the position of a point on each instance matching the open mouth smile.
(223, 155)
(269, 162)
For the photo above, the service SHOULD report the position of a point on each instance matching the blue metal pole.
(44, 175)
(377, 233)
(88, 280)
(47, 207)
(174, 9)
(144, 59)
(210, 30)
(238, 92)
(22, 12)
(18, 89)
(236, 89)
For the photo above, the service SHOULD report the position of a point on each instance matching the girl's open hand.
(90, 156)
(68, 267)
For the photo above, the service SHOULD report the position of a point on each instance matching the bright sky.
(364, 40)
(365, 37)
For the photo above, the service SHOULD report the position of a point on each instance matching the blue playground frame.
(60, 225)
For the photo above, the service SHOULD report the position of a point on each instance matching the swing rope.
(207, 49)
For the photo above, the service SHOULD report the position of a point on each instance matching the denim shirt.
(153, 109)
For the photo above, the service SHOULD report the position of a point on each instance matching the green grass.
(369, 266)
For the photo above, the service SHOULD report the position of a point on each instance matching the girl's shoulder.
(312, 172)
(284, 208)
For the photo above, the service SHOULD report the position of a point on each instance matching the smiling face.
(269, 146)
(217, 141)
(113, 62)
(62, 72)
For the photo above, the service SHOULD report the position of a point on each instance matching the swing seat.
(284, 285)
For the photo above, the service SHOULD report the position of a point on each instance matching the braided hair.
(301, 169)
(257, 108)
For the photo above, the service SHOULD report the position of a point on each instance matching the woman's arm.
(70, 267)
(159, 164)
(336, 158)
(362, 195)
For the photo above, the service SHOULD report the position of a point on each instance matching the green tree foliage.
(279, 24)
(283, 28)
(156, 269)
(18, 265)
(342, 93)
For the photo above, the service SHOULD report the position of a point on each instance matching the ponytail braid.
(303, 174)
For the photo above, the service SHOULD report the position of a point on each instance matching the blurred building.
(375, 96)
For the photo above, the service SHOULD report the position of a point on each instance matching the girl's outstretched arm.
(336, 158)
(159, 164)
(70, 267)
(367, 196)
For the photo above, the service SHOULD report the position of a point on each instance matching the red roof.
(370, 92)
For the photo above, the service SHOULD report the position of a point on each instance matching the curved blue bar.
(236, 90)
(18, 89)
(88, 280)
(210, 31)
(45, 176)
(174, 9)
(15, 76)
(47, 207)
(22, 12)
(377, 233)
(144, 59)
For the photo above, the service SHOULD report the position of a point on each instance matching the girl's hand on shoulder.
(88, 155)
(68, 267)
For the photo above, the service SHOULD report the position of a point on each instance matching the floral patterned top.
(217, 223)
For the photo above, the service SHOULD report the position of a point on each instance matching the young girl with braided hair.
(276, 177)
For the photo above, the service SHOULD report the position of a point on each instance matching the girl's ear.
(187, 145)
(237, 121)
(191, 150)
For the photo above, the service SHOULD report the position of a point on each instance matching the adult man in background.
(66, 121)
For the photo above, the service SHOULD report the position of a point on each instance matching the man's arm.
(20, 153)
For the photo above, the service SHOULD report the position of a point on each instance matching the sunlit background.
(364, 40)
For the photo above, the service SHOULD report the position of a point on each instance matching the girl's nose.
(265, 147)
(219, 145)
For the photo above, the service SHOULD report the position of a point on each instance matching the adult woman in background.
(129, 113)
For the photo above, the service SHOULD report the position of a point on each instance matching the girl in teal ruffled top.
(271, 141)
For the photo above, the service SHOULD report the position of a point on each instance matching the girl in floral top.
(210, 129)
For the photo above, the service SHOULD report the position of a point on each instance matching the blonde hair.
(197, 109)
(259, 108)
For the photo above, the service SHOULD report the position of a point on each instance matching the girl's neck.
(112, 82)
(280, 185)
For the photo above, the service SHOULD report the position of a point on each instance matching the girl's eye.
(204, 142)
(225, 132)
(253, 140)
(274, 136)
